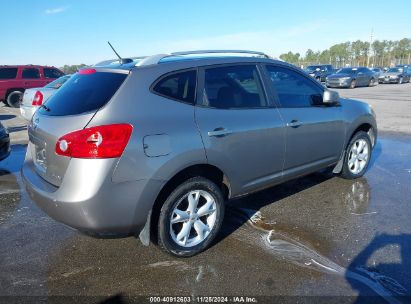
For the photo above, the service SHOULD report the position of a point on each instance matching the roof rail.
(155, 59)
(220, 52)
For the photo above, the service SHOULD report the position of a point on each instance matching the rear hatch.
(71, 109)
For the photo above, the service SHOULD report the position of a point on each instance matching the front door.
(314, 132)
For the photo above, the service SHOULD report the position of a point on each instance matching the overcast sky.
(58, 32)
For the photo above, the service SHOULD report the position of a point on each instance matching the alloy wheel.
(193, 218)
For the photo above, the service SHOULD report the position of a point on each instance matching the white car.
(35, 97)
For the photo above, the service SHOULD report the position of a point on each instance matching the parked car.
(158, 147)
(351, 78)
(4, 142)
(14, 79)
(377, 72)
(395, 75)
(320, 71)
(35, 97)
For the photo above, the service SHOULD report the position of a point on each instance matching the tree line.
(382, 53)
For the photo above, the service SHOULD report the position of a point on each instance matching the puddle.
(301, 252)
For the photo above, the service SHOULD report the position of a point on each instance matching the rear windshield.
(8, 73)
(83, 93)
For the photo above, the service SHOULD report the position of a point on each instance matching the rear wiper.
(45, 107)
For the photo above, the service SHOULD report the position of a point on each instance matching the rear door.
(70, 109)
(242, 133)
(314, 132)
(31, 78)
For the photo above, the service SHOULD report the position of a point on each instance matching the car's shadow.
(269, 196)
(7, 117)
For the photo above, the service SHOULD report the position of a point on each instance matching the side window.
(31, 73)
(237, 86)
(180, 86)
(8, 73)
(52, 73)
(293, 89)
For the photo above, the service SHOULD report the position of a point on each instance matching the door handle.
(219, 132)
(294, 123)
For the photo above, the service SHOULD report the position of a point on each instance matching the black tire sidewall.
(346, 173)
(11, 95)
(164, 238)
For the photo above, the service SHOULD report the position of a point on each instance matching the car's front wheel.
(400, 80)
(353, 84)
(190, 217)
(357, 156)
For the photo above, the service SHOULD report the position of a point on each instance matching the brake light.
(87, 71)
(38, 99)
(107, 141)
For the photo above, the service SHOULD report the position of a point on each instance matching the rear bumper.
(89, 201)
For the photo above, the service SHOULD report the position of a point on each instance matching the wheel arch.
(368, 128)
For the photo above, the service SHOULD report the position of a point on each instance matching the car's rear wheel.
(352, 84)
(14, 99)
(190, 217)
(371, 83)
(357, 156)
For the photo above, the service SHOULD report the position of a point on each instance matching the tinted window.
(293, 89)
(31, 73)
(58, 82)
(8, 73)
(83, 93)
(180, 86)
(52, 73)
(236, 86)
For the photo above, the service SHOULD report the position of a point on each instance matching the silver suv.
(156, 146)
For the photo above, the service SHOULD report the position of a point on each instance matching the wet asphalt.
(319, 235)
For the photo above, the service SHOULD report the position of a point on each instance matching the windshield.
(312, 68)
(58, 82)
(395, 70)
(347, 71)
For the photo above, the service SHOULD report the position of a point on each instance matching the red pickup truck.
(14, 79)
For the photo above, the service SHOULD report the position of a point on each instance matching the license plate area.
(39, 153)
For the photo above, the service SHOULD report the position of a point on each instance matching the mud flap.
(145, 233)
(338, 167)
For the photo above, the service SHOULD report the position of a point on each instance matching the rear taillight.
(107, 141)
(38, 99)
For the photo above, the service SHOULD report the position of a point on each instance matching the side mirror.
(331, 98)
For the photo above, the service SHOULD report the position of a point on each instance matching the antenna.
(122, 61)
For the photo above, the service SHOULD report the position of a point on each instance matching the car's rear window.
(83, 93)
(8, 73)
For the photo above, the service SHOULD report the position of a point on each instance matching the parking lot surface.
(318, 235)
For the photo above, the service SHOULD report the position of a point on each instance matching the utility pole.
(368, 57)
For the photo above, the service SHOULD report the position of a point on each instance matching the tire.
(14, 99)
(355, 165)
(371, 83)
(171, 236)
(400, 80)
(352, 84)
(318, 79)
